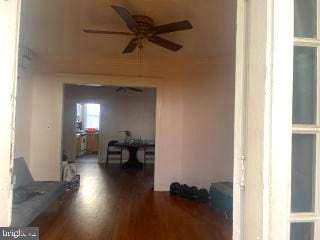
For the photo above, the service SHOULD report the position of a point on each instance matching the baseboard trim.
(161, 188)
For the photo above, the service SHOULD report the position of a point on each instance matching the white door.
(305, 169)
(9, 19)
(282, 139)
(263, 119)
(240, 124)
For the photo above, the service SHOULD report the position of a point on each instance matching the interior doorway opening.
(195, 137)
(87, 132)
(109, 125)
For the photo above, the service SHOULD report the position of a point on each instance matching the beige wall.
(23, 115)
(207, 126)
(45, 154)
(119, 111)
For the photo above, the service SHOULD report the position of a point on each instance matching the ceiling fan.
(124, 89)
(142, 27)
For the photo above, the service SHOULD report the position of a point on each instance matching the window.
(305, 172)
(92, 116)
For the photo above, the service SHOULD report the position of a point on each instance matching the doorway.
(94, 116)
(87, 132)
(11, 13)
(173, 111)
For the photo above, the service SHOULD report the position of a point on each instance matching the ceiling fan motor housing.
(145, 25)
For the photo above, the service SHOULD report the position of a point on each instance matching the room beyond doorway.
(94, 116)
(87, 132)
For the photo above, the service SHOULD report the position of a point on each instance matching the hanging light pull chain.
(140, 60)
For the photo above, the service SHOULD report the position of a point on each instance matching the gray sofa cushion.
(24, 213)
(21, 173)
(39, 195)
(21, 194)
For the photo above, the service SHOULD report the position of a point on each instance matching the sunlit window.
(92, 115)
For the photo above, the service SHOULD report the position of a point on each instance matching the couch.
(44, 194)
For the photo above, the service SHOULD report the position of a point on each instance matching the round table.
(133, 148)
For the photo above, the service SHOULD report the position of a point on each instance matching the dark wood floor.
(114, 204)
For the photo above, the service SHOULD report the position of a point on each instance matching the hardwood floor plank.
(116, 204)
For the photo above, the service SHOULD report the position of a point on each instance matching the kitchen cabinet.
(92, 142)
(78, 146)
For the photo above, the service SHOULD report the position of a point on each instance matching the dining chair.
(114, 150)
(148, 152)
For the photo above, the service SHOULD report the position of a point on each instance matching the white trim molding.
(103, 80)
(268, 115)
(240, 120)
(9, 36)
(280, 121)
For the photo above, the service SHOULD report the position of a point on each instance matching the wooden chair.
(148, 151)
(113, 150)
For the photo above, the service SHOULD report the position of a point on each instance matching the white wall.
(23, 115)
(119, 111)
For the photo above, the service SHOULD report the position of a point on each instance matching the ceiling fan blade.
(107, 32)
(131, 46)
(172, 27)
(135, 89)
(127, 17)
(165, 43)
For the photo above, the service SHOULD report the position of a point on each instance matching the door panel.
(305, 211)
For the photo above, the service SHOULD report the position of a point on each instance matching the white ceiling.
(53, 28)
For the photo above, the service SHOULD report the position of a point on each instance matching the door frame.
(74, 103)
(240, 124)
(105, 80)
(268, 114)
(263, 118)
(9, 40)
